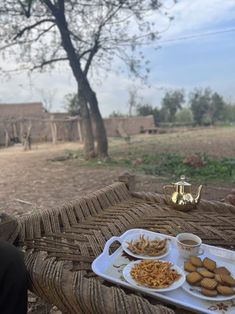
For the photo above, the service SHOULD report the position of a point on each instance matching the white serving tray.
(110, 267)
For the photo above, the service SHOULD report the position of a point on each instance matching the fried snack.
(209, 283)
(209, 264)
(189, 267)
(212, 280)
(154, 274)
(224, 290)
(227, 280)
(144, 246)
(206, 273)
(193, 278)
(196, 261)
(222, 271)
(209, 293)
(218, 278)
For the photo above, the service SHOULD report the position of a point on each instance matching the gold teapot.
(182, 198)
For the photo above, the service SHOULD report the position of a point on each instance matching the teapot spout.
(198, 197)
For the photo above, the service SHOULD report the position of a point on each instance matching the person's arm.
(9, 228)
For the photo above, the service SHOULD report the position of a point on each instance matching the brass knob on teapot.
(181, 197)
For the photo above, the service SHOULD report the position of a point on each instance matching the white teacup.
(189, 245)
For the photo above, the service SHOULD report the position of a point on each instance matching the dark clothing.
(9, 228)
(13, 280)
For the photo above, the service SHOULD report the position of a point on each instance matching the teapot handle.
(165, 188)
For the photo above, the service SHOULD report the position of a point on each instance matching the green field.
(207, 154)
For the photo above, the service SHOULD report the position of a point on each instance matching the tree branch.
(95, 48)
(84, 53)
(49, 4)
(44, 32)
(47, 62)
(28, 28)
(76, 37)
(26, 11)
(91, 55)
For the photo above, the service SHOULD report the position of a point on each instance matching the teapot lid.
(182, 181)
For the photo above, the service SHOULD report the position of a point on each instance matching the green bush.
(184, 116)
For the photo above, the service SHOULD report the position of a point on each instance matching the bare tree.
(133, 100)
(84, 33)
(47, 96)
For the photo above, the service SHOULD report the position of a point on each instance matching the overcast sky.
(196, 51)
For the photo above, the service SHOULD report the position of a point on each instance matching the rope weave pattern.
(60, 245)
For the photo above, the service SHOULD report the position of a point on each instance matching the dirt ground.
(30, 180)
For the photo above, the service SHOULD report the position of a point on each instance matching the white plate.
(195, 291)
(175, 285)
(136, 236)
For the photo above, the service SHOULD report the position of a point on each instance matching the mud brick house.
(22, 110)
(16, 119)
(128, 125)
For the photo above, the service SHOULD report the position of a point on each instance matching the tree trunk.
(85, 92)
(80, 131)
(100, 132)
(27, 140)
(7, 137)
(53, 130)
(14, 132)
(75, 65)
(87, 132)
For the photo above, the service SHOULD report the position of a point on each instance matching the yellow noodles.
(154, 274)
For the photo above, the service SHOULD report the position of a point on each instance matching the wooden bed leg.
(129, 180)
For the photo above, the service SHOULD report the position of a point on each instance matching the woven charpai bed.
(60, 245)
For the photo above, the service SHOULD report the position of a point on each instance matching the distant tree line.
(203, 107)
